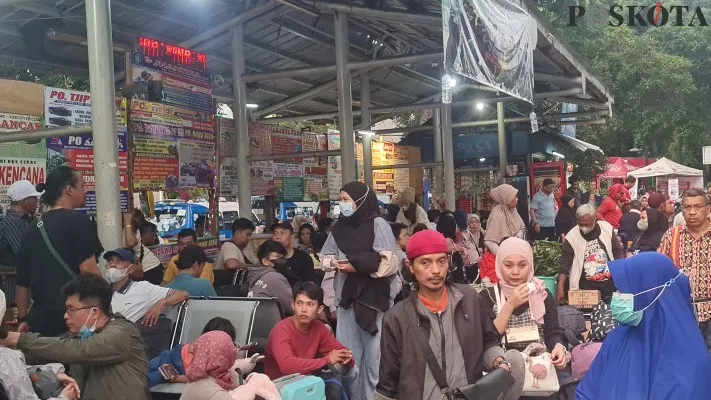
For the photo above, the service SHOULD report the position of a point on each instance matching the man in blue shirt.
(543, 211)
(191, 262)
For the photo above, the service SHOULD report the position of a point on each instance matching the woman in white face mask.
(653, 224)
(361, 249)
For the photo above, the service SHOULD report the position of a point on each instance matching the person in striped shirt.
(18, 219)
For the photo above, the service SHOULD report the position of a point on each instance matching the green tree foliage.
(410, 119)
(309, 126)
(660, 78)
(44, 78)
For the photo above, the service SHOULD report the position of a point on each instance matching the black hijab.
(566, 220)
(354, 236)
(356, 233)
(447, 225)
(657, 225)
(566, 199)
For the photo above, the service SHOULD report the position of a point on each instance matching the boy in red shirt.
(301, 344)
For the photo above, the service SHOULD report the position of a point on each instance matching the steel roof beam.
(557, 79)
(582, 102)
(428, 103)
(324, 39)
(396, 16)
(38, 8)
(352, 66)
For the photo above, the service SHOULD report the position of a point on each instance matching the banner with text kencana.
(20, 160)
(65, 107)
(491, 42)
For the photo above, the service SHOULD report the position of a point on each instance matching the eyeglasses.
(71, 311)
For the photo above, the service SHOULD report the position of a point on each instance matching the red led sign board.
(172, 54)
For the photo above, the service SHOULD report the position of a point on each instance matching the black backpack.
(572, 321)
(238, 288)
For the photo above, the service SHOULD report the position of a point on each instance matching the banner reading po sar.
(492, 42)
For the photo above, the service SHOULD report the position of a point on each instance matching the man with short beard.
(689, 246)
(444, 313)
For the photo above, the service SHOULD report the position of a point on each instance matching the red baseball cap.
(426, 242)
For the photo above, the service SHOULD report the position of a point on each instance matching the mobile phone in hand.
(167, 371)
(248, 346)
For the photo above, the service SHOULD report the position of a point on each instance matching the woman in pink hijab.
(210, 374)
(524, 312)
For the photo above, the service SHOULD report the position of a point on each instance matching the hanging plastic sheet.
(491, 42)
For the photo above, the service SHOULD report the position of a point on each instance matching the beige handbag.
(540, 378)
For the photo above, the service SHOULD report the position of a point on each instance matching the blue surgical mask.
(622, 304)
(347, 209)
(86, 332)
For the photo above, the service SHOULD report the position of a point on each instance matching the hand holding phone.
(167, 371)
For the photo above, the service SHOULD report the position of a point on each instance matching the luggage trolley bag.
(301, 387)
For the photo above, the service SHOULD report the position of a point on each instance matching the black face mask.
(280, 263)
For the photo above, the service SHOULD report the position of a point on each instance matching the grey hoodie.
(268, 282)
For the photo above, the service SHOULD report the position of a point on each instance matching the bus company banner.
(20, 160)
(65, 107)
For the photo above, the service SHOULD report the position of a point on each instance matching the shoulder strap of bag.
(499, 307)
(50, 247)
(432, 363)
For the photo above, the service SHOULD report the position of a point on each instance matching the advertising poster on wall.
(228, 177)
(401, 176)
(228, 146)
(315, 168)
(289, 189)
(19, 160)
(197, 164)
(261, 175)
(155, 164)
(146, 111)
(335, 179)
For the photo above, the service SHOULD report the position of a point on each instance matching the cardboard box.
(583, 299)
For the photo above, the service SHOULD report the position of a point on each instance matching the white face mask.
(642, 224)
(586, 229)
(116, 275)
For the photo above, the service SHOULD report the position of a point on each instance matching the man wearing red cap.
(447, 317)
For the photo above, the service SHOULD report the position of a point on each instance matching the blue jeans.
(366, 352)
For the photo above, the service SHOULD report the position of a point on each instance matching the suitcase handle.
(286, 378)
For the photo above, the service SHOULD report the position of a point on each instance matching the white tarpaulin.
(492, 42)
(665, 166)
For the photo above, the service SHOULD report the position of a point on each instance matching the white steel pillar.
(503, 157)
(103, 122)
(448, 150)
(365, 125)
(437, 176)
(345, 101)
(239, 110)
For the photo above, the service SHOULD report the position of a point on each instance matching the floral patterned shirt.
(693, 257)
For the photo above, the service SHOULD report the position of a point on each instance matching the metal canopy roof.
(287, 35)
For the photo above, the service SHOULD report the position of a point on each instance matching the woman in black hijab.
(360, 242)
(653, 228)
(566, 219)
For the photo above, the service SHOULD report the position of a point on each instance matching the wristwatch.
(504, 362)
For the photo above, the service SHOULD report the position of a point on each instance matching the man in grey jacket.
(461, 336)
(105, 351)
(266, 280)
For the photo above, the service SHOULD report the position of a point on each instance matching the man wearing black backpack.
(266, 280)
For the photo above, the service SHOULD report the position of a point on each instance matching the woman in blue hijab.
(657, 352)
